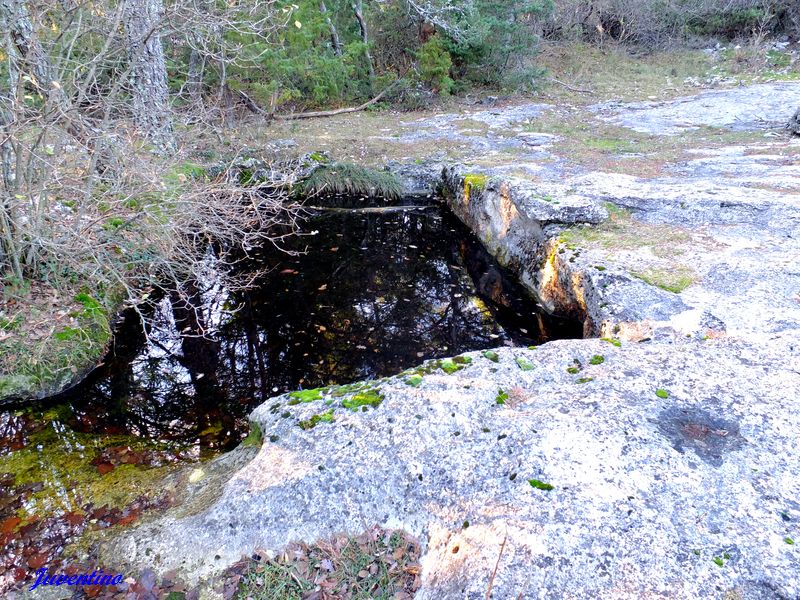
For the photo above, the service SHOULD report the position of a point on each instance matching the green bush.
(434, 65)
(500, 39)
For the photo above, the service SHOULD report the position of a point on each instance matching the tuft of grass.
(661, 393)
(350, 179)
(597, 359)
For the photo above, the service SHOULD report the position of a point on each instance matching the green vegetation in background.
(435, 64)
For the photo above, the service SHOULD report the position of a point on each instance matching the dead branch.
(369, 209)
(338, 111)
(569, 87)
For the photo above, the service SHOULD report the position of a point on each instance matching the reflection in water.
(365, 295)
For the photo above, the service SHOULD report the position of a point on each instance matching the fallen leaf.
(9, 524)
(104, 468)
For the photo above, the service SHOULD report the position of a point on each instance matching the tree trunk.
(194, 77)
(151, 111)
(337, 45)
(197, 62)
(8, 93)
(794, 123)
(362, 26)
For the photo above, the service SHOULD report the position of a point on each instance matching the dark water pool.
(365, 295)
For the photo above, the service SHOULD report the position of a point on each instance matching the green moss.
(612, 341)
(69, 479)
(789, 541)
(613, 145)
(584, 380)
(371, 398)
(540, 485)
(449, 366)
(462, 360)
(674, 279)
(597, 359)
(718, 560)
(524, 364)
(491, 355)
(663, 394)
(414, 380)
(305, 396)
(254, 436)
(344, 390)
(573, 370)
(501, 398)
(476, 182)
(318, 157)
(326, 417)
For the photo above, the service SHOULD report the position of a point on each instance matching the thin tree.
(150, 93)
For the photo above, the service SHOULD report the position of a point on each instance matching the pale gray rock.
(767, 105)
(649, 493)
(690, 492)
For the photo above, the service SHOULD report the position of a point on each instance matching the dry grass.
(614, 73)
(379, 564)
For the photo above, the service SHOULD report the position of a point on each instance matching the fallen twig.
(497, 564)
(569, 87)
(254, 107)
